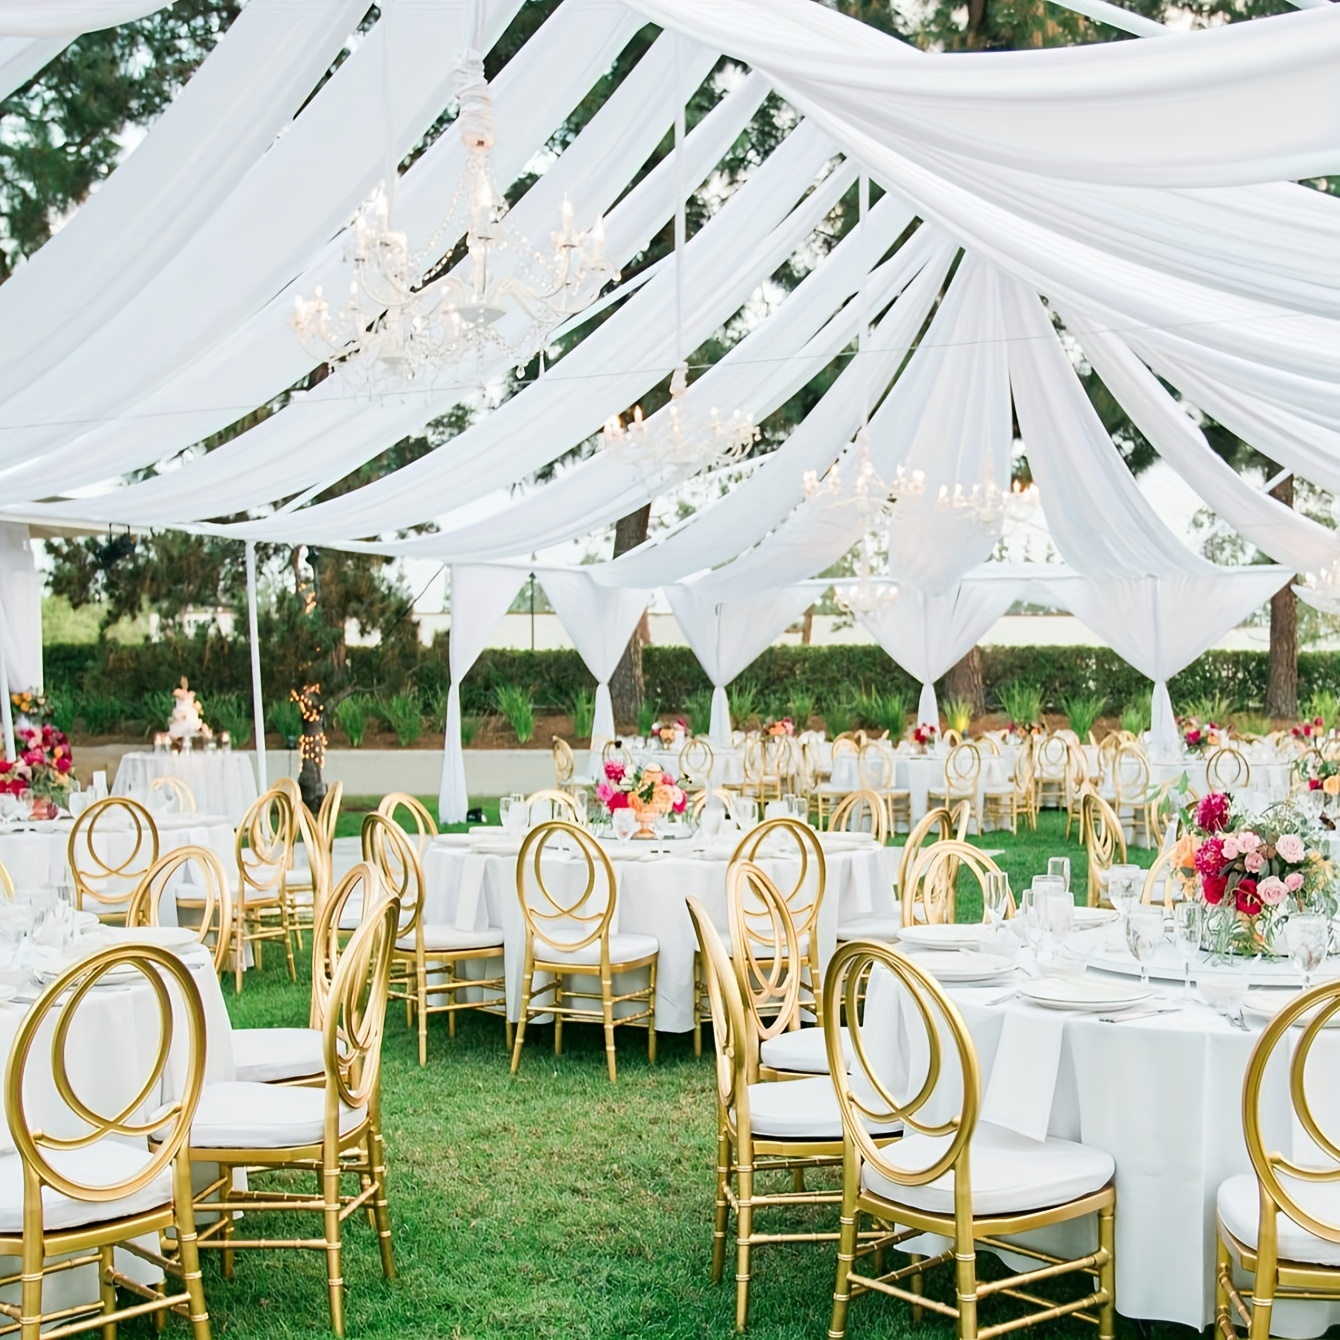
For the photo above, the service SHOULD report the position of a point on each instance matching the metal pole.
(257, 703)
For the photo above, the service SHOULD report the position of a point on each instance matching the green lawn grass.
(553, 1205)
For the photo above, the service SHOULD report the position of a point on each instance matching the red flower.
(1314, 783)
(614, 770)
(1209, 856)
(1212, 887)
(1212, 811)
(618, 801)
(1193, 737)
(1317, 721)
(1249, 901)
(64, 764)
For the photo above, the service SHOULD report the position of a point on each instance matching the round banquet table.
(37, 856)
(223, 782)
(471, 883)
(1163, 1095)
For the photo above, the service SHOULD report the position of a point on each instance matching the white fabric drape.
(1161, 624)
(726, 636)
(928, 632)
(23, 57)
(479, 599)
(1245, 102)
(69, 18)
(21, 596)
(599, 620)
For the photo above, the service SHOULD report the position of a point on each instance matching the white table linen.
(652, 894)
(223, 782)
(919, 774)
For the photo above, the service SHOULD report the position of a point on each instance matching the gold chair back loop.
(1053, 758)
(875, 767)
(939, 818)
(930, 895)
(99, 876)
(180, 797)
(735, 1046)
(1130, 775)
(330, 813)
(861, 812)
(565, 764)
(963, 768)
(565, 922)
(614, 750)
(6, 882)
(552, 805)
(696, 761)
(726, 796)
(1104, 840)
(390, 851)
(1227, 769)
(421, 824)
(766, 948)
(360, 886)
(356, 1013)
(805, 897)
(132, 1120)
(265, 844)
(214, 899)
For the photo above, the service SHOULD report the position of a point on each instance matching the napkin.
(1023, 1077)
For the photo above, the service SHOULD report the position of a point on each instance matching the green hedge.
(123, 677)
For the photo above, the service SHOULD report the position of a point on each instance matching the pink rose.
(1255, 862)
(1290, 848)
(614, 770)
(678, 800)
(1248, 841)
(1271, 891)
(603, 792)
(1212, 812)
(1231, 849)
(1293, 881)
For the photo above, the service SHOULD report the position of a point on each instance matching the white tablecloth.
(39, 858)
(921, 773)
(1163, 1096)
(651, 901)
(222, 782)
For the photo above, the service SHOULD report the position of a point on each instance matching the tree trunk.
(626, 686)
(1282, 683)
(964, 681)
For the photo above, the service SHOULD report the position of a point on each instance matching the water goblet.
(1144, 935)
(625, 823)
(711, 820)
(1305, 937)
(504, 809)
(1058, 867)
(996, 898)
(1187, 921)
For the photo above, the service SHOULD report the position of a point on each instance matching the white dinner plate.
(1086, 918)
(963, 965)
(1266, 1005)
(949, 935)
(1078, 993)
(161, 937)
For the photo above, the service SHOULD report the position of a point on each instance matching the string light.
(311, 745)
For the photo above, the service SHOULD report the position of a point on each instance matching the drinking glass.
(1058, 867)
(711, 820)
(1305, 937)
(1058, 911)
(504, 809)
(625, 824)
(1030, 917)
(1144, 935)
(1186, 936)
(996, 897)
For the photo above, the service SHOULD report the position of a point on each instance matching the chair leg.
(526, 984)
(451, 996)
(917, 1285)
(744, 1229)
(288, 938)
(30, 1307)
(651, 1022)
(188, 1252)
(381, 1211)
(558, 1018)
(607, 1011)
(697, 1004)
(722, 1218)
(330, 1182)
(965, 1252)
(421, 990)
(848, 1228)
(1107, 1273)
(106, 1288)
(1265, 1280)
(1223, 1270)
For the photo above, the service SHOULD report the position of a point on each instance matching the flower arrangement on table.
(1310, 731)
(1320, 774)
(1198, 736)
(42, 769)
(648, 791)
(30, 707)
(925, 736)
(670, 733)
(779, 727)
(1251, 871)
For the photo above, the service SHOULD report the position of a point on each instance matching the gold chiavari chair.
(1280, 1223)
(264, 849)
(949, 1175)
(724, 794)
(327, 1131)
(861, 812)
(952, 738)
(762, 1127)
(846, 767)
(428, 962)
(877, 769)
(1163, 884)
(1076, 781)
(1052, 772)
(696, 764)
(318, 835)
(415, 821)
(1227, 769)
(1001, 805)
(104, 879)
(1133, 792)
(931, 891)
(962, 775)
(295, 1055)
(615, 751)
(570, 935)
(6, 882)
(89, 1187)
(541, 806)
(1107, 753)
(758, 781)
(565, 764)
(1104, 841)
(210, 915)
(178, 797)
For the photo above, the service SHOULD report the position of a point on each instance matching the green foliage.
(1252, 723)
(1325, 704)
(800, 708)
(156, 707)
(101, 713)
(351, 714)
(646, 715)
(839, 717)
(517, 706)
(958, 715)
(746, 701)
(404, 715)
(1082, 711)
(1217, 708)
(1022, 702)
(884, 711)
(1135, 716)
(583, 713)
(284, 719)
(698, 710)
(231, 712)
(60, 708)
(469, 729)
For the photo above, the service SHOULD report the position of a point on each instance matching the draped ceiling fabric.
(20, 608)
(69, 18)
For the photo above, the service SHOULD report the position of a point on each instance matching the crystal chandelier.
(866, 492)
(410, 313)
(1321, 590)
(869, 593)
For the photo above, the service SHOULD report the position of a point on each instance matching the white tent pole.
(6, 707)
(257, 704)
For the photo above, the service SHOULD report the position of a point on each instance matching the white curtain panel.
(21, 597)
(599, 620)
(1245, 102)
(928, 632)
(726, 636)
(69, 18)
(1161, 624)
(480, 596)
(23, 57)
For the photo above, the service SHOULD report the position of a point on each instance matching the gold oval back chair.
(1052, 771)
(413, 818)
(1280, 1223)
(1163, 884)
(178, 796)
(616, 751)
(1104, 841)
(6, 882)
(962, 778)
(569, 935)
(565, 764)
(264, 850)
(930, 895)
(209, 915)
(845, 763)
(541, 806)
(1133, 792)
(924, 1183)
(307, 881)
(861, 812)
(724, 794)
(696, 763)
(112, 846)
(88, 1196)
(1227, 769)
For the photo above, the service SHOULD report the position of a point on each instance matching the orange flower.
(1331, 786)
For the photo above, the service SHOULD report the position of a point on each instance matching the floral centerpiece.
(670, 733)
(1252, 871)
(30, 707)
(1310, 732)
(41, 770)
(1320, 774)
(648, 791)
(781, 726)
(925, 737)
(1198, 736)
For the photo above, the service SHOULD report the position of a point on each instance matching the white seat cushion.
(869, 928)
(798, 1109)
(442, 939)
(262, 1116)
(101, 1164)
(802, 1050)
(1240, 1210)
(264, 1055)
(624, 948)
(1010, 1173)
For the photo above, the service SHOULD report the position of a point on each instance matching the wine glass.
(996, 898)
(1305, 937)
(1144, 935)
(504, 809)
(1187, 920)
(1031, 920)
(1058, 867)
(625, 823)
